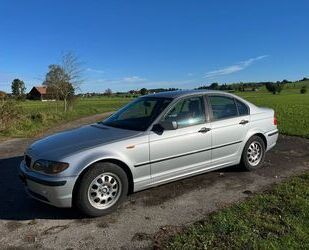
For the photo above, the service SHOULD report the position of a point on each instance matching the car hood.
(68, 142)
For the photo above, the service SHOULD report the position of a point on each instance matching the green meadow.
(292, 110)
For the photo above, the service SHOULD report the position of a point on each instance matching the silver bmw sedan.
(153, 140)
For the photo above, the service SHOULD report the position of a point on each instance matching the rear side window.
(223, 107)
(242, 108)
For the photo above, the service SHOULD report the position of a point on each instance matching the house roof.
(41, 89)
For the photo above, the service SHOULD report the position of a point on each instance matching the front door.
(175, 153)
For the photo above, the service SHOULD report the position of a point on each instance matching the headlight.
(49, 167)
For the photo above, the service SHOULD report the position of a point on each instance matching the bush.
(9, 113)
(274, 87)
(38, 117)
(303, 89)
(143, 91)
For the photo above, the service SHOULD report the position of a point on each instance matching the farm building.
(39, 93)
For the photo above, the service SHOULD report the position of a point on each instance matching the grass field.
(278, 219)
(37, 116)
(292, 109)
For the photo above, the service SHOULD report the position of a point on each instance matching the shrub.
(303, 89)
(9, 113)
(143, 91)
(274, 87)
(38, 117)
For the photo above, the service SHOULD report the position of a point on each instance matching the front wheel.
(101, 189)
(253, 154)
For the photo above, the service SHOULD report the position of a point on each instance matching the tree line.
(273, 87)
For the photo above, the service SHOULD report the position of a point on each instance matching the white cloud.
(233, 68)
(98, 71)
(128, 80)
(127, 83)
(133, 79)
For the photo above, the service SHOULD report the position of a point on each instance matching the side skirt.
(183, 176)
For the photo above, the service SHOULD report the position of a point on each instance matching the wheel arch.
(243, 160)
(249, 135)
(262, 136)
(121, 164)
(255, 132)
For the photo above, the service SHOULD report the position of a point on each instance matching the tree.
(64, 79)
(303, 89)
(223, 87)
(214, 86)
(143, 91)
(203, 87)
(18, 89)
(108, 92)
(285, 81)
(270, 87)
(273, 87)
(58, 84)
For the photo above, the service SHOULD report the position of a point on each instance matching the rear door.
(230, 122)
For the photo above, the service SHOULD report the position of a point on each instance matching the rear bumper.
(50, 190)
(271, 137)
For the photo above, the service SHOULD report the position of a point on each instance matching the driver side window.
(187, 112)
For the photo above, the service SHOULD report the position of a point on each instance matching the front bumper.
(52, 190)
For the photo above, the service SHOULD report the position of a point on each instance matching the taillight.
(275, 120)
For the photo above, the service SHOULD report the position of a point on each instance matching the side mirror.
(169, 125)
(164, 125)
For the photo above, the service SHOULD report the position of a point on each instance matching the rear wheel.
(253, 154)
(101, 189)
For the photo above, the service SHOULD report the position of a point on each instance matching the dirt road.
(26, 223)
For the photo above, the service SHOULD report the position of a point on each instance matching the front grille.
(28, 160)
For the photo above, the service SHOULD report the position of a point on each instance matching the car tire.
(253, 154)
(101, 189)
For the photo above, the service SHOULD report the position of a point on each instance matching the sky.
(131, 44)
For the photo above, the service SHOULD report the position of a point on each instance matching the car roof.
(181, 93)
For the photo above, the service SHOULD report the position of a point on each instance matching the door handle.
(243, 122)
(204, 130)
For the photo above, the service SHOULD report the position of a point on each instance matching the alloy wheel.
(104, 190)
(254, 153)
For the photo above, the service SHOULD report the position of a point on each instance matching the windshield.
(139, 114)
